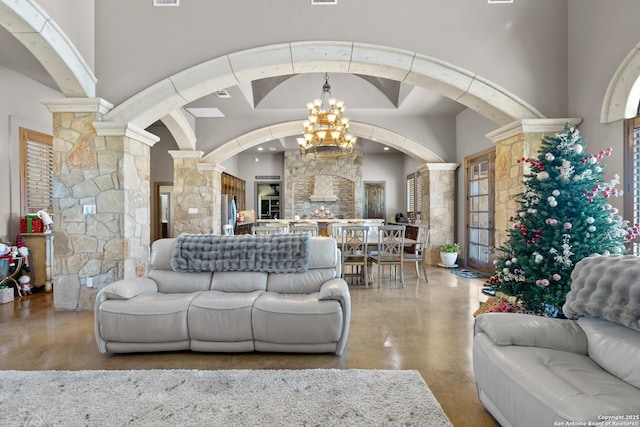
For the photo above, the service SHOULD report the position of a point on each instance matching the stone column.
(439, 204)
(514, 141)
(101, 197)
(196, 191)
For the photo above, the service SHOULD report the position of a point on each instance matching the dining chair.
(334, 229)
(228, 229)
(419, 255)
(305, 228)
(283, 226)
(390, 250)
(354, 242)
(265, 229)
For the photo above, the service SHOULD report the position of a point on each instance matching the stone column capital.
(439, 167)
(186, 154)
(203, 166)
(77, 105)
(125, 129)
(523, 126)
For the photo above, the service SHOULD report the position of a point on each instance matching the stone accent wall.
(193, 193)
(110, 172)
(513, 142)
(298, 168)
(344, 207)
(439, 204)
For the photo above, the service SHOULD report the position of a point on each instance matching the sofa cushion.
(614, 347)
(300, 283)
(146, 318)
(323, 252)
(170, 282)
(239, 281)
(161, 254)
(296, 319)
(222, 316)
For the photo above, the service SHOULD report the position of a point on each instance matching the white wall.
(600, 36)
(20, 107)
(161, 160)
(267, 164)
(387, 168)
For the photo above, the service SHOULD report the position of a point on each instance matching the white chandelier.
(325, 130)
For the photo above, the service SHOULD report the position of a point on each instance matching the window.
(36, 171)
(414, 194)
(632, 176)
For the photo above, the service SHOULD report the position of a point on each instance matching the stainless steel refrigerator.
(229, 212)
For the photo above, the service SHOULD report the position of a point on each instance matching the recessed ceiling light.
(260, 148)
(205, 112)
(272, 148)
(386, 148)
(256, 160)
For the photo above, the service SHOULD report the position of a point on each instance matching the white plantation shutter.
(418, 204)
(410, 193)
(414, 193)
(36, 154)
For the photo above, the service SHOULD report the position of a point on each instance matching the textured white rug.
(316, 397)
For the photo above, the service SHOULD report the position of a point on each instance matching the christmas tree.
(563, 215)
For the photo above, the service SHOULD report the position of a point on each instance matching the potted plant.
(449, 254)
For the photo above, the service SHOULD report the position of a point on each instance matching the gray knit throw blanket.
(276, 253)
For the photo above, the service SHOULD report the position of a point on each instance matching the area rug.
(316, 397)
(467, 274)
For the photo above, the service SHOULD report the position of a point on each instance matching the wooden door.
(480, 203)
(374, 200)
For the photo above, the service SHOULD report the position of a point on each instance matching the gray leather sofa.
(227, 311)
(537, 371)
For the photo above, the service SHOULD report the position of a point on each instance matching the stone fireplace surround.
(299, 178)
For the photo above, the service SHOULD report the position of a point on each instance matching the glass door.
(480, 202)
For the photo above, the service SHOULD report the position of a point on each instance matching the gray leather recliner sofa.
(227, 311)
(537, 371)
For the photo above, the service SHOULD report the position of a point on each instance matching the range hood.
(323, 189)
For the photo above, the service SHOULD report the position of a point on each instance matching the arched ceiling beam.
(478, 94)
(31, 25)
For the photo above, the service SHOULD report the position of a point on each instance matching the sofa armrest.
(129, 288)
(334, 289)
(122, 289)
(337, 289)
(532, 331)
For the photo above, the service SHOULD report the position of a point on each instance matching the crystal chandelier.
(325, 131)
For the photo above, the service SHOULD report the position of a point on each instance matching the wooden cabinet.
(40, 258)
(244, 228)
(236, 187)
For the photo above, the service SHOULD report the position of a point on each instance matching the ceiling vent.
(222, 94)
(323, 2)
(166, 2)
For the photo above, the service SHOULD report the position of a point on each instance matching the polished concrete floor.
(427, 327)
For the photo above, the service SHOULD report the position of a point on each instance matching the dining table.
(372, 245)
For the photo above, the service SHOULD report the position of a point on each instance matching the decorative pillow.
(607, 287)
(276, 253)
